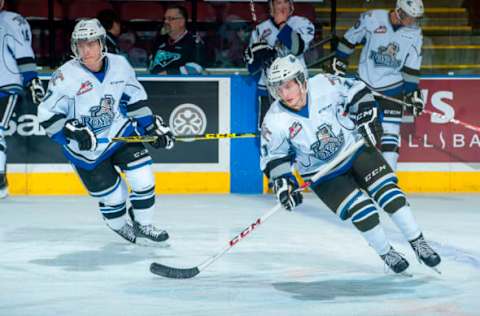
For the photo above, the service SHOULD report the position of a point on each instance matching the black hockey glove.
(339, 66)
(416, 102)
(165, 137)
(36, 90)
(368, 123)
(76, 130)
(285, 189)
(260, 55)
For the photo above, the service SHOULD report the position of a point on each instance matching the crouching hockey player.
(97, 95)
(307, 125)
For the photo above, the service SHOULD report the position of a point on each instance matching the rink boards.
(436, 156)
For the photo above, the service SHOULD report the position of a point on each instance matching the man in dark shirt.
(178, 51)
(112, 24)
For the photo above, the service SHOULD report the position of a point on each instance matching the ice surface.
(58, 258)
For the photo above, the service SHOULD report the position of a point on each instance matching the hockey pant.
(355, 195)
(105, 183)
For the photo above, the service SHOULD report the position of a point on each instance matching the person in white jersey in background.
(389, 64)
(18, 72)
(282, 34)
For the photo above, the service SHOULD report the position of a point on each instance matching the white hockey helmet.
(270, 4)
(284, 69)
(88, 30)
(413, 8)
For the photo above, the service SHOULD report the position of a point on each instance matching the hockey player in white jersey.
(389, 63)
(307, 127)
(96, 94)
(18, 71)
(283, 33)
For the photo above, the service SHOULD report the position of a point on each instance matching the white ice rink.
(57, 257)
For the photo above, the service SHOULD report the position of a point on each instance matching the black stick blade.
(173, 273)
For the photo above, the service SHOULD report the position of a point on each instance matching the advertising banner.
(434, 144)
(190, 106)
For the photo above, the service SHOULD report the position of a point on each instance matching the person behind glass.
(112, 24)
(178, 51)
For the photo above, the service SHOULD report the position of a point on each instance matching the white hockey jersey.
(16, 54)
(386, 50)
(315, 139)
(268, 32)
(75, 92)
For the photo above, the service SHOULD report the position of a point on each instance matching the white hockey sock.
(391, 157)
(116, 223)
(377, 239)
(143, 216)
(405, 221)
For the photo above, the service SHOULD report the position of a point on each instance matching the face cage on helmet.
(101, 39)
(273, 86)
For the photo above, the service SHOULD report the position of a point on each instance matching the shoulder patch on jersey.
(294, 129)
(265, 34)
(381, 29)
(266, 133)
(85, 87)
(56, 77)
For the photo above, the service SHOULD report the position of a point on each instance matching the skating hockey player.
(96, 94)
(282, 34)
(306, 126)
(18, 72)
(389, 64)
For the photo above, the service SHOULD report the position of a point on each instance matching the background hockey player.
(306, 125)
(97, 94)
(389, 63)
(18, 71)
(282, 34)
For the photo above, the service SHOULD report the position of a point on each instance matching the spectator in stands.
(178, 51)
(18, 71)
(112, 24)
(137, 56)
(234, 37)
(282, 34)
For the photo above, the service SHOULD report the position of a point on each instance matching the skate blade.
(436, 270)
(405, 274)
(145, 242)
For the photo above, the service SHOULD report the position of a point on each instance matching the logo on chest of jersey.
(380, 30)
(85, 87)
(386, 56)
(328, 143)
(101, 116)
(164, 58)
(294, 129)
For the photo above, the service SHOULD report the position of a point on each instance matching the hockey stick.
(449, 120)
(181, 138)
(187, 273)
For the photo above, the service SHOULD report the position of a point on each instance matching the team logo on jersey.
(380, 30)
(85, 87)
(101, 116)
(386, 56)
(294, 129)
(188, 119)
(164, 58)
(328, 143)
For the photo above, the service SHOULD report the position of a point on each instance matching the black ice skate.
(395, 261)
(127, 232)
(149, 232)
(425, 253)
